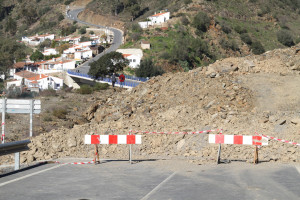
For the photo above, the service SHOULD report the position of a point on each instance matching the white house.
(145, 24)
(56, 66)
(83, 54)
(33, 80)
(49, 51)
(37, 39)
(13, 83)
(134, 56)
(134, 60)
(84, 44)
(42, 38)
(159, 17)
(75, 40)
(155, 19)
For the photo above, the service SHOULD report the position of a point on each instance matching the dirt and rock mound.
(240, 95)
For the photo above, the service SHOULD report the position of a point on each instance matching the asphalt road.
(153, 180)
(117, 41)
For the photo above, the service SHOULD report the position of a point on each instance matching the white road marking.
(157, 187)
(29, 175)
(298, 168)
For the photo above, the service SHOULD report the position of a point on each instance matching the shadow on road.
(23, 169)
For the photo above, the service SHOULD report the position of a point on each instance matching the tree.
(108, 64)
(11, 26)
(37, 56)
(82, 30)
(62, 47)
(148, 69)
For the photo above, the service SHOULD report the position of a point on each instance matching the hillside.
(229, 28)
(240, 95)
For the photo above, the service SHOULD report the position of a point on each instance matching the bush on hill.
(148, 69)
(201, 22)
(285, 38)
(257, 48)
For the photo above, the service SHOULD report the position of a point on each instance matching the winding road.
(117, 40)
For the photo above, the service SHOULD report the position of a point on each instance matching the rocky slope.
(234, 94)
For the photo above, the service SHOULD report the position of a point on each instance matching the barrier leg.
(17, 161)
(130, 154)
(130, 150)
(255, 155)
(219, 154)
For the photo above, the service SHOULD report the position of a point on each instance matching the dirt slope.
(241, 95)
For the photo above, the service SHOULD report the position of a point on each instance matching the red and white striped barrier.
(281, 140)
(113, 139)
(189, 133)
(238, 139)
(75, 163)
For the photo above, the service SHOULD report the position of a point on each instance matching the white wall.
(134, 61)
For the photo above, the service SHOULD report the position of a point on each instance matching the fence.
(108, 80)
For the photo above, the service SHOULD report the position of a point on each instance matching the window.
(133, 60)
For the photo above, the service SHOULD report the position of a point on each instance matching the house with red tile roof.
(134, 56)
(33, 80)
(156, 19)
(37, 39)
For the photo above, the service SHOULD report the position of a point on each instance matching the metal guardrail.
(108, 80)
(14, 147)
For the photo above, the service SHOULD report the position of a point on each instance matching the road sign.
(24, 106)
(21, 106)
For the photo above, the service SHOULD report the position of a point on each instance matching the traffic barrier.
(75, 163)
(113, 139)
(238, 139)
(280, 140)
(175, 133)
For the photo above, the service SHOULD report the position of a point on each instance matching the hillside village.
(42, 74)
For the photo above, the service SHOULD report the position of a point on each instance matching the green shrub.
(100, 86)
(184, 20)
(186, 2)
(82, 30)
(61, 17)
(297, 40)
(257, 48)
(135, 36)
(165, 55)
(245, 37)
(47, 118)
(136, 28)
(60, 113)
(201, 22)
(148, 69)
(85, 89)
(285, 38)
(229, 44)
(240, 29)
(226, 28)
(68, 2)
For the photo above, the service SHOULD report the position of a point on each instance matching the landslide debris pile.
(212, 97)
